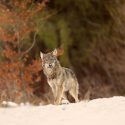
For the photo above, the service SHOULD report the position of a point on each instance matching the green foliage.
(79, 26)
(47, 34)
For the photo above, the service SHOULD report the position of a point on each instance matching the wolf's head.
(50, 61)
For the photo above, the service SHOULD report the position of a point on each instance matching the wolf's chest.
(54, 82)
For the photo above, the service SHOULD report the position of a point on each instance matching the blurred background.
(92, 33)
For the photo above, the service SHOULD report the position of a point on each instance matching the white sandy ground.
(105, 111)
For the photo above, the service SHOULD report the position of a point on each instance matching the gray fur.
(60, 79)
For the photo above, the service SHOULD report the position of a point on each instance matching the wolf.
(60, 79)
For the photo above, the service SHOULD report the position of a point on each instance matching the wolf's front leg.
(59, 93)
(54, 93)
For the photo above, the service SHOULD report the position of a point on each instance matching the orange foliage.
(15, 74)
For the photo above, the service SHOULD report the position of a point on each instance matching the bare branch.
(34, 41)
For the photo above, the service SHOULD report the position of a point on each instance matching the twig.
(34, 41)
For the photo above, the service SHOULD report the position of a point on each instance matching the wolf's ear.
(55, 53)
(41, 55)
(58, 52)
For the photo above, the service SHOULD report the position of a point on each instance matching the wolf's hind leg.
(74, 93)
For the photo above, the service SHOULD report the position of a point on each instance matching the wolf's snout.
(50, 65)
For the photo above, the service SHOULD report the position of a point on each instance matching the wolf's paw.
(64, 101)
(56, 102)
